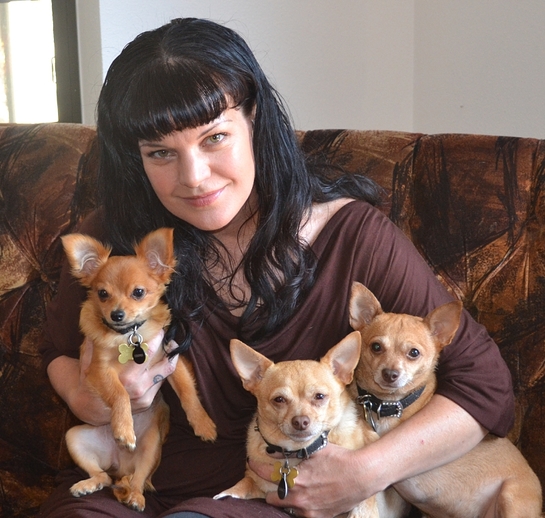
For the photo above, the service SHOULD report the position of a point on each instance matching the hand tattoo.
(158, 378)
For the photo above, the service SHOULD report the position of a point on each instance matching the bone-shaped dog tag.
(125, 353)
(138, 353)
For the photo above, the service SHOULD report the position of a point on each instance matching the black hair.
(184, 75)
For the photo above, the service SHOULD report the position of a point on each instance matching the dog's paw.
(123, 442)
(245, 489)
(123, 431)
(128, 495)
(205, 429)
(133, 500)
(126, 440)
(90, 485)
(225, 494)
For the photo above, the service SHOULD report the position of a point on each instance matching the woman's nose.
(193, 169)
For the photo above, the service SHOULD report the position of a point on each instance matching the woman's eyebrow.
(211, 127)
(149, 143)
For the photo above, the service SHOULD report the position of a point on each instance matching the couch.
(473, 205)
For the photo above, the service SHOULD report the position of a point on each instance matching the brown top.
(360, 244)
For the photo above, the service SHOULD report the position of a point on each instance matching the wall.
(480, 67)
(333, 61)
(411, 65)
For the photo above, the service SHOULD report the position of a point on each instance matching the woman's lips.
(204, 200)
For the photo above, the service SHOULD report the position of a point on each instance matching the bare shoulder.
(318, 218)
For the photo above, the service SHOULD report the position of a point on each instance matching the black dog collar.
(123, 330)
(302, 453)
(384, 408)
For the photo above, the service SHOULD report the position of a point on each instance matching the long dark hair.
(183, 75)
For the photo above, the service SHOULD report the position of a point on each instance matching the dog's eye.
(279, 399)
(375, 347)
(414, 353)
(102, 295)
(319, 396)
(138, 293)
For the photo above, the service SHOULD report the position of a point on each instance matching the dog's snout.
(300, 422)
(117, 315)
(390, 375)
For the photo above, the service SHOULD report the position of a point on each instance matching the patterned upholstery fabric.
(473, 205)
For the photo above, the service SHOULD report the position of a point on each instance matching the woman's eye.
(218, 137)
(161, 153)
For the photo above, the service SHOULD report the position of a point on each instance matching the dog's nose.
(300, 422)
(390, 375)
(117, 315)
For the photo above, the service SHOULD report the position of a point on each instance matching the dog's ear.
(250, 364)
(157, 249)
(344, 357)
(444, 321)
(363, 306)
(85, 255)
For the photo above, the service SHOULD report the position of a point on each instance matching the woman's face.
(204, 175)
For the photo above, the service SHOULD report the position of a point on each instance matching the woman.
(192, 136)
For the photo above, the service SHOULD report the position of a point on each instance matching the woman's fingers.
(142, 381)
(163, 366)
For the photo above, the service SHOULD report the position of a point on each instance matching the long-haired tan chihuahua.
(123, 309)
(396, 377)
(301, 405)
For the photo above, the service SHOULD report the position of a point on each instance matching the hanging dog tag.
(285, 476)
(283, 487)
(139, 354)
(125, 353)
(135, 350)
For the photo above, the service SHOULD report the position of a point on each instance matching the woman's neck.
(227, 275)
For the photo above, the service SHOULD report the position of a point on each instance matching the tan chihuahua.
(124, 307)
(396, 377)
(301, 405)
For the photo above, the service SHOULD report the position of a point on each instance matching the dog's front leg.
(246, 489)
(183, 383)
(105, 382)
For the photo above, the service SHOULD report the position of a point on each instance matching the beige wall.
(480, 66)
(475, 66)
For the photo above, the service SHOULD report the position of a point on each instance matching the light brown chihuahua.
(301, 405)
(396, 377)
(124, 307)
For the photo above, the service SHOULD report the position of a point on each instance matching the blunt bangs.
(173, 96)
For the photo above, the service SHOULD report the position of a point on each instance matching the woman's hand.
(142, 381)
(326, 484)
